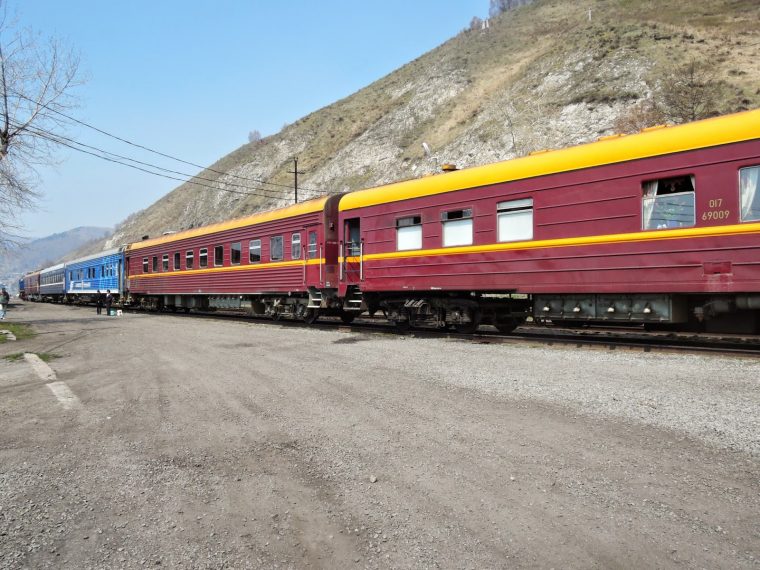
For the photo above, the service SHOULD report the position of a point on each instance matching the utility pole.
(295, 172)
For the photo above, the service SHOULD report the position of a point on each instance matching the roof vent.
(449, 167)
(146, 236)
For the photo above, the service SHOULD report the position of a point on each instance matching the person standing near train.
(5, 298)
(99, 302)
(109, 301)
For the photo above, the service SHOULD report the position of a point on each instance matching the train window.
(515, 219)
(409, 233)
(165, 262)
(457, 227)
(275, 248)
(145, 264)
(203, 257)
(155, 264)
(254, 251)
(189, 259)
(218, 255)
(295, 246)
(235, 253)
(177, 261)
(312, 248)
(668, 203)
(749, 187)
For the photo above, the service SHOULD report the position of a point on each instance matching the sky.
(192, 78)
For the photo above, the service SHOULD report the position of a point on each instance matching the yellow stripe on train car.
(631, 237)
(249, 267)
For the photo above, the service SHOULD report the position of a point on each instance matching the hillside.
(548, 75)
(18, 259)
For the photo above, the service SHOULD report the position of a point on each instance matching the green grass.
(20, 331)
(44, 356)
(15, 357)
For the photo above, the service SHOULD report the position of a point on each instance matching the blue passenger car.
(21, 292)
(98, 272)
(52, 287)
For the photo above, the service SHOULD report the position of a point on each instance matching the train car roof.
(106, 253)
(307, 207)
(655, 141)
(52, 268)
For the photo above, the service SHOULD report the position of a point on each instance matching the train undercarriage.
(465, 312)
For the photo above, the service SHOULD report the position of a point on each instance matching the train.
(660, 228)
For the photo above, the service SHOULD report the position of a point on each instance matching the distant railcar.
(283, 262)
(657, 227)
(52, 283)
(32, 285)
(100, 272)
(21, 289)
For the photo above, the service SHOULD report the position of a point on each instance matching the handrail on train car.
(342, 261)
(304, 255)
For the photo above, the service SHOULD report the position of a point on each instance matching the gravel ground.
(214, 444)
(706, 397)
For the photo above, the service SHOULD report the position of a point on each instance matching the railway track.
(618, 338)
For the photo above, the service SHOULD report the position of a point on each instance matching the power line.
(60, 139)
(89, 126)
(261, 192)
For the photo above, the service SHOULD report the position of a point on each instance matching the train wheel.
(472, 326)
(506, 326)
(347, 318)
(402, 326)
(310, 316)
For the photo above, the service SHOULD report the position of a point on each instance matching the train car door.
(353, 252)
(313, 258)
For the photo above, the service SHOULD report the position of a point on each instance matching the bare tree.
(37, 78)
(645, 113)
(526, 125)
(689, 92)
(254, 136)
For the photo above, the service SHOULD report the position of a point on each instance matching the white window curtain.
(515, 226)
(749, 178)
(457, 232)
(650, 193)
(409, 237)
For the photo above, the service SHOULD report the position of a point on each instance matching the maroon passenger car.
(282, 262)
(657, 227)
(32, 286)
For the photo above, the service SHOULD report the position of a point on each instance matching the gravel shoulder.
(207, 443)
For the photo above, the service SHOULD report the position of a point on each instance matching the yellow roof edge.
(737, 127)
(307, 207)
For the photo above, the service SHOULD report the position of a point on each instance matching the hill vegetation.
(548, 74)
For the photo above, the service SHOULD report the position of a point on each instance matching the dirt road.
(203, 443)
